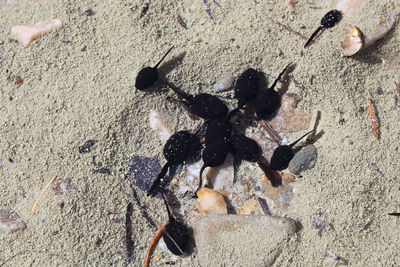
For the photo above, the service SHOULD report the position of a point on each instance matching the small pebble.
(1, 163)
(211, 201)
(18, 80)
(10, 221)
(303, 160)
(224, 84)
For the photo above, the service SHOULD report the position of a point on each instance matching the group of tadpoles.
(219, 137)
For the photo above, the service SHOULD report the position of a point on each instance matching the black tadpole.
(175, 233)
(329, 20)
(283, 154)
(247, 149)
(268, 101)
(149, 75)
(180, 147)
(214, 155)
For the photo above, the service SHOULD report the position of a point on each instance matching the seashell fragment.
(26, 34)
(163, 123)
(211, 201)
(290, 118)
(350, 8)
(374, 19)
(222, 177)
(10, 221)
(352, 41)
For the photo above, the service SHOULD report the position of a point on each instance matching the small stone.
(224, 84)
(303, 160)
(211, 201)
(10, 221)
(221, 239)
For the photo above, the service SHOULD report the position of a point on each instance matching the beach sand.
(78, 84)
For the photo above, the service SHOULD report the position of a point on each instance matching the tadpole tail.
(273, 176)
(178, 91)
(159, 62)
(279, 76)
(155, 187)
(166, 205)
(295, 142)
(313, 35)
(200, 180)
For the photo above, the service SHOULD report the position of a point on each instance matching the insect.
(148, 75)
(268, 101)
(175, 233)
(329, 20)
(245, 148)
(180, 147)
(283, 154)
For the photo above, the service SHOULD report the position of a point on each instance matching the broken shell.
(211, 201)
(222, 177)
(352, 41)
(350, 8)
(26, 34)
(374, 19)
(10, 221)
(163, 123)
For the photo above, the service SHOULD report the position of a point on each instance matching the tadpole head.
(281, 157)
(214, 154)
(146, 78)
(218, 129)
(207, 106)
(245, 148)
(181, 146)
(246, 86)
(176, 236)
(331, 18)
(267, 104)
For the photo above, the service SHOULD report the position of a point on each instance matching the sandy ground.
(69, 96)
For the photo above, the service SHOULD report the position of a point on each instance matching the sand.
(78, 84)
